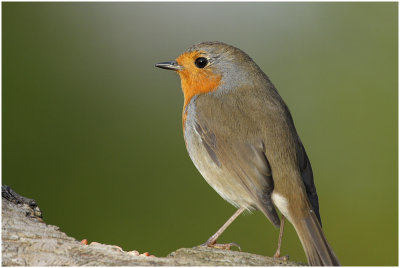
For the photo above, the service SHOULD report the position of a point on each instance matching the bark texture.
(29, 241)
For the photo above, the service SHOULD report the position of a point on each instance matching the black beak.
(169, 65)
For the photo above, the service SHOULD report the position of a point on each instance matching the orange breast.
(195, 81)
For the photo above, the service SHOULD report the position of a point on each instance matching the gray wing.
(234, 138)
(304, 167)
(308, 180)
(246, 160)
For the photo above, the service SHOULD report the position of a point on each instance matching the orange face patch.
(195, 80)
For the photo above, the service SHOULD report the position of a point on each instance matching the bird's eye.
(201, 62)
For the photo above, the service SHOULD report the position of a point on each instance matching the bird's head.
(211, 66)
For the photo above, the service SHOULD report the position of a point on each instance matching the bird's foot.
(227, 246)
(277, 255)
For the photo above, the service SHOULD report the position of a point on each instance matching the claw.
(284, 258)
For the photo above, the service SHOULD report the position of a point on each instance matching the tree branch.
(29, 241)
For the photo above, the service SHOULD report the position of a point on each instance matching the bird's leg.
(278, 250)
(211, 242)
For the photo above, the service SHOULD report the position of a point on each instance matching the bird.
(241, 137)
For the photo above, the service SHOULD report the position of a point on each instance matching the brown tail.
(315, 245)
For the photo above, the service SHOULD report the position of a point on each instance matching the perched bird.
(241, 137)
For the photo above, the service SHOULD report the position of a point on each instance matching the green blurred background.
(92, 130)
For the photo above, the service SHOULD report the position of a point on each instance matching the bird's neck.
(193, 85)
(199, 83)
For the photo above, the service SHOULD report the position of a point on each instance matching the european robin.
(241, 137)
